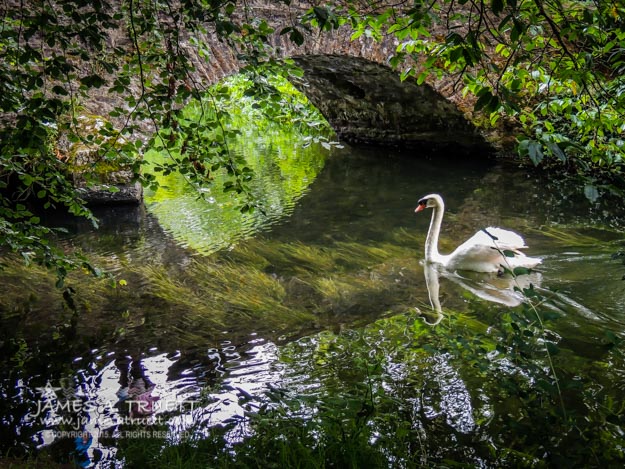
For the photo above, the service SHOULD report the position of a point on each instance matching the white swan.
(488, 250)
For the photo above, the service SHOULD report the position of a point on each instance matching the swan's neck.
(431, 242)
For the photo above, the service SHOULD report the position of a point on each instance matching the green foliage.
(266, 98)
(552, 69)
(54, 56)
(203, 142)
(381, 395)
(477, 389)
(284, 159)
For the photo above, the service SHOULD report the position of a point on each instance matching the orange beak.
(419, 208)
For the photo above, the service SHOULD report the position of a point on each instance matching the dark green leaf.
(497, 6)
(297, 37)
(92, 81)
(552, 348)
(535, 152)
(484, 100)
(59, 90)
(557, 151)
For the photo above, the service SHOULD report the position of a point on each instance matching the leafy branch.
(550, 70)
(54, 57)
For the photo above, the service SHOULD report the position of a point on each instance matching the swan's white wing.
(511, 241)
(481, 253)
(477, 257)
(503, 239)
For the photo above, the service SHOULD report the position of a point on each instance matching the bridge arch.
(366, 102)
(354, 87)
(349, 81)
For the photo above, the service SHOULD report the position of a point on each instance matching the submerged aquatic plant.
(619, 255)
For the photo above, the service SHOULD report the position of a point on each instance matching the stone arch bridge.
(350, 82)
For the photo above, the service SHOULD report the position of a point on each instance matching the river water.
(214, 310)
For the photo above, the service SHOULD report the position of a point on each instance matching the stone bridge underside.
(367, 102)
(352, 84)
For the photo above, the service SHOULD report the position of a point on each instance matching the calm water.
(215, 309)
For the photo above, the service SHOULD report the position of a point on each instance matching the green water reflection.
(207, 220)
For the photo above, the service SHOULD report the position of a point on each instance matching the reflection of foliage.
(400, 393)
(269, 286)
(416, 395)
(283, 162)
(476, 389)
(258, 286)
(55, 56)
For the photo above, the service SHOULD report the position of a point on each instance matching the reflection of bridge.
(349, 81)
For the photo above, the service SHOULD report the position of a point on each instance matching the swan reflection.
(488, 287)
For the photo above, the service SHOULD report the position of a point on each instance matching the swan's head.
(430, 201)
